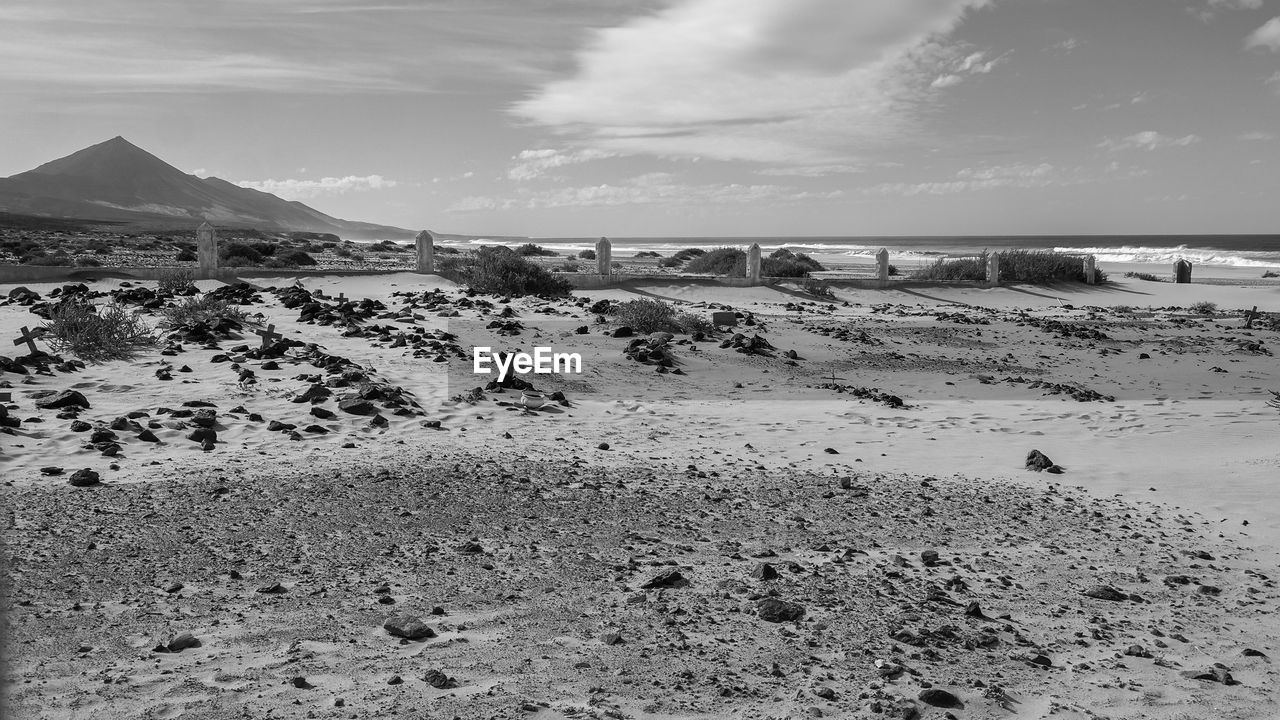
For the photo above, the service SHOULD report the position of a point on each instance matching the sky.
(687, 118)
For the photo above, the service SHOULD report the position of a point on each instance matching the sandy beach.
(836, 526)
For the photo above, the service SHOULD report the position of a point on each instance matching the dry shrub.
(97, 334)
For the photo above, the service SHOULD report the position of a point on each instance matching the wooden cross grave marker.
(342, 297)
(1249, 317)
(29, 337)
(269, 335)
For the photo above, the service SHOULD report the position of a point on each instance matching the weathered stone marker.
(6, 396)
(724, 317)
(269, 335)
(207, 249)
(1091, 270)
(426, 252)
(1182, 272)
(1249, 317)
(993, 269)
(753, 263)
(604, 256)
(882, 265)
(28, 337)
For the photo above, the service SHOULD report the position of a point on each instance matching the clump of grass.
(531, 250)
(290, 258)
(670, 262)
(97, 334)
(730, 262)
(645, 315)
(893, 270)
(784, 263)
(819, 288)
(1204, 307)
(1270, 274)
(1122, 309)
(587, 255)
(204, 309)
(954, 269)
(1143, 276)
(500, 270)
(1044, 266)
(689, 254)
(648, 254)
(176, 282)
(690, 324)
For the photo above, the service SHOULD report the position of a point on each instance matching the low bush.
(500, 270)
(176, 282)
(531, 250)
(1143, 276)
(954, 269)
(820, 288)
(295, 258)
(646, 315)
(689, 253)
(1270, 274)
(568, 266)
(238, 254)
(731, 262)
(97, 334)
(690, 324)
(203, 309)
(185, 255)
(1043, 266)
(648, 254)
(587, 254)
(784, 263)
(670, 262)
(1204, 307)
(893, 270)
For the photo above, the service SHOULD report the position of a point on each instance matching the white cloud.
(801, 82)
(648, 189)
(200, 172)
(1148, 140)
(532, 164)
(1015, 175)
(811, 170)
(292, 189)
(1066, 45)
(1257, 136)
(1267, 36)
(1236, 4)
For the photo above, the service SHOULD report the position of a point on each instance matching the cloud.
(1236, 4)
(533, 164)
(300, 189)
(1148, 140)
(796, 82)
(1267, 36)
(1257, 136)
(971, 64)
(1066, 45)
(648, 189)
(811, 170)
(1016, 175)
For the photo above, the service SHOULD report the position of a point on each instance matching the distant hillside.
(118, 182)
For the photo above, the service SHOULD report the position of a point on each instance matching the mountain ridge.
(118, 182)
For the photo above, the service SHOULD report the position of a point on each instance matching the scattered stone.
(669, 578)
(1106, 592)
(407, 626)
(1038, 461)
(84, 478)
(938, 697)
(776, 610)
(64, 399)
(182, 642)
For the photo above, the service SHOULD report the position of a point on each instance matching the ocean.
(1226, 251)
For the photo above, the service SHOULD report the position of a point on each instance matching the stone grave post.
(604, 256)
(207, 249)
(426, 252)
(1091, 270)
(1182, 272)
(993, 269)
(882, 265)
(753, 263)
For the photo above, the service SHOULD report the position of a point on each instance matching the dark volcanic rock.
(1106, 592)
(407, 626)
(938, 697)
(66, 398)
(1038, 461)
(357, 406)
(776, 611)
(84, 478)
(669, 578)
